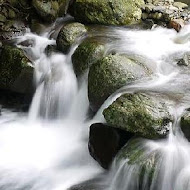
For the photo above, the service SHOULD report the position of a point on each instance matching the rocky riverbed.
(136, 82)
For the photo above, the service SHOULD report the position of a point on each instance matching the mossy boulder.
(141, 161)
(15, 72)
(146, 115)
(88, 52)
(14, 16)
(185, 124)
(69, 34)
(111, 73)
(112, 12)
(48, 10)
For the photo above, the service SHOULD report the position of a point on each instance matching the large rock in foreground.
(111, 73)
(105, 142)
(146, 115)
(15, 72)
(113, 12)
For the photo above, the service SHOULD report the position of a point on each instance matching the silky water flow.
(48, 148)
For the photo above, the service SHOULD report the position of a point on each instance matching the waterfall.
(47, 148)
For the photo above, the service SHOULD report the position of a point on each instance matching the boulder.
(146, 115)
(87, 53)
(105, 142)
(47, 10)
(69, 34)
(14, 17)
(113, 12)
(15, 72)
(111, 73)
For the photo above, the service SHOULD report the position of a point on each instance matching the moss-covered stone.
(14, 17)
(14, 69)
(88, 52)
(112, 12)
(48, 10)
(111, 73)
(69, 35)
(146, 115)
(141, 161)
(185, 124)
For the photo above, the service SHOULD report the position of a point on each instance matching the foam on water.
(47, 150)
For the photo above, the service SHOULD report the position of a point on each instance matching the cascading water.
(160, 164)
(47, 150)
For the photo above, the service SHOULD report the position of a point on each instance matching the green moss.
(88, 52)
(48, 10)
(142, 114)
(114, 12)
(12, 62)
(145, 163)
(111, 73)
(69, 35)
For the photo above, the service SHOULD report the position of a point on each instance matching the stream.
(47, 148)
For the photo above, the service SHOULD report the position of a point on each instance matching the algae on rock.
(112, 12)
(88, 53)
(15, 70)
(111, 73)
(69, 34)
(146, 115)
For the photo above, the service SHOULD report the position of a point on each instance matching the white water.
(47, 150)
(172, 169)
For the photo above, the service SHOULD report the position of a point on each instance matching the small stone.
(185, 61)
(177, 24)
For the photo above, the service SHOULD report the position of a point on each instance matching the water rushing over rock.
(47, 149)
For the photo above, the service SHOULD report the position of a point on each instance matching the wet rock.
(185, 125)
(105, 142)
(111, 73)
(37, 27)
(15, 72)
(108, 12)
(88, 52)
(177, 24)
(140, 160)
(185, 61)
(146, 115)
(15, 16)
(48, 10)
(11, 29)
(63, 7)
(15, 101)
(69, 34)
